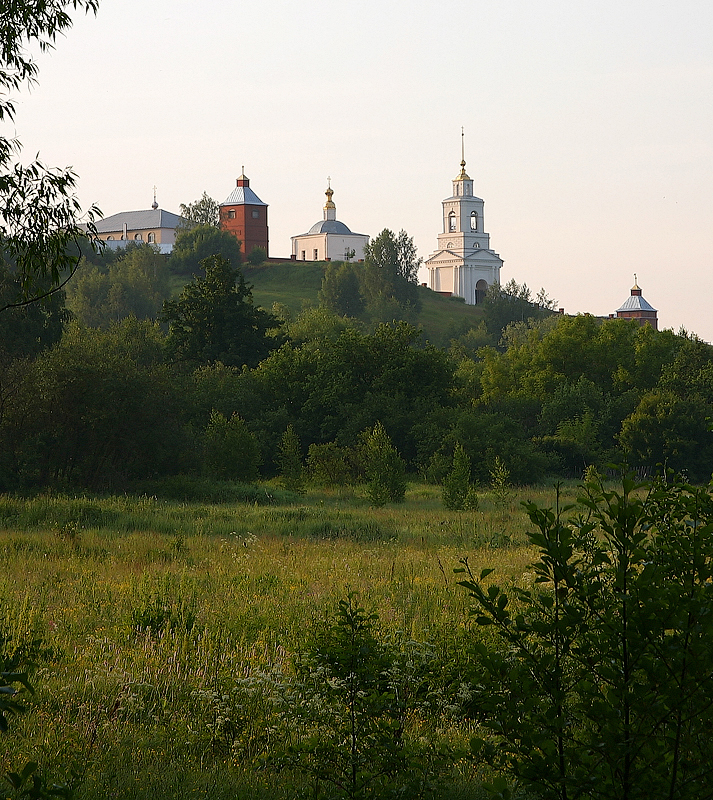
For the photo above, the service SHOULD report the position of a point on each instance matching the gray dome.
(329, 226)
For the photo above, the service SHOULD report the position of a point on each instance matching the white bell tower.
(463, 265)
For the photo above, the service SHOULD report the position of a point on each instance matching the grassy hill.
(297, 284)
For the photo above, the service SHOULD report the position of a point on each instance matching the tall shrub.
(599, 681)
(290, 460)
(231, 450)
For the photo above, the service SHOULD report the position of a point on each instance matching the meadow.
(163, 634)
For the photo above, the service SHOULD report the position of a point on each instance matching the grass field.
(158, 627)
(298, 283)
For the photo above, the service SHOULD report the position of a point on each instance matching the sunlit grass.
(141, 604)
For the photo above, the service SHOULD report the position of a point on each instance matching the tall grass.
(148, 610)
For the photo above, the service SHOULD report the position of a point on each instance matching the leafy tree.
(666, 429)
(340, 292)
(214, 319)
(232, 452)
(205, 211)
(290, 458)
(334, 388)
(385, 469)
(597, 681)
(194, 245)
(467, 345)
(135, 284)
(257, 256)
(513, 303)
(98, 409)
(690, 371)
(331, 465)
(458, 493)
(29, 328)
(314, 325)
(390, 270)
(39, 228)
(488, 436)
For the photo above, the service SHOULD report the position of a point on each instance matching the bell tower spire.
(462, 185)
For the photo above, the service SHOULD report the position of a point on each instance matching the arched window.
(474, 220)
(452, 222)
(152, 238)
(110, 238)
(138, 237)
(481, 289)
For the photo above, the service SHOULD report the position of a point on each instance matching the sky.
(588, 127)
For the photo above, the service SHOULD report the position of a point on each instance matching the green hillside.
(297, 283)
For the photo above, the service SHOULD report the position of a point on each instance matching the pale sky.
(588, 127)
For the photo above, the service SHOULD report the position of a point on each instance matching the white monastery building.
(463, 265)
(151, 226)
(329, 239)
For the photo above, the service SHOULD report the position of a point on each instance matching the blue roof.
(243, 196)
(329, 226)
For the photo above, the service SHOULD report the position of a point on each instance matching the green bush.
(351, 704)
(596, 682)
(231, 450)
(331, 465)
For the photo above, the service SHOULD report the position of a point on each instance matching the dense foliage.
(214, 320)
(557, 395)
(196, 243)
(383, 287)
(600, 687)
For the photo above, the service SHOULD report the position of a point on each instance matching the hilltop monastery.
(463, 264)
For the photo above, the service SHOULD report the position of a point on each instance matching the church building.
(152, 226)
(463, 265)
(329, 239)
(244, 215)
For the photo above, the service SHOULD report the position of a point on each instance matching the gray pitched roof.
(636, 303)
(242, 196)
(139, 220)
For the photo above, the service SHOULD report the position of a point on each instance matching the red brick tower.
(245, 216)
(637, 308)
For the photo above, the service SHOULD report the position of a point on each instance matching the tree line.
(96, 396)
